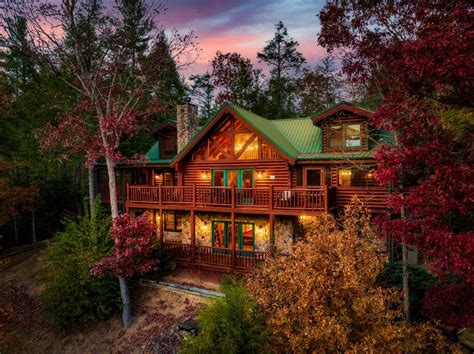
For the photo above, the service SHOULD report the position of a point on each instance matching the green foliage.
(164, 266)
(229, 325)
(418, 281)
(72, 296)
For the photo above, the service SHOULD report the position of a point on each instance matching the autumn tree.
(236, 80)
(324, 298)
(419, 57)
(134, 244)
(107, 87)
(282, 56)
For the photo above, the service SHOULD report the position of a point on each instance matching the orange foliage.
(324, 297)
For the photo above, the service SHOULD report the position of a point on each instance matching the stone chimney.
(186, 122)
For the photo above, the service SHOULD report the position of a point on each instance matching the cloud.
(245, 26)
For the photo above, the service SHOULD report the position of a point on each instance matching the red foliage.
(455, 312)
(134, 242)
(419, 54)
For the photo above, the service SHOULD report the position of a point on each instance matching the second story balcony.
(261, 199)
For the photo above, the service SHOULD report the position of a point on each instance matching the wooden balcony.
(271, 199)
(215, 259)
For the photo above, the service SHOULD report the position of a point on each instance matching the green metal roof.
(302, 133)
(154, 156)
(298, 138)
(268, 130)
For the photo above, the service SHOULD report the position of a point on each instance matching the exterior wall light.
(260, 174)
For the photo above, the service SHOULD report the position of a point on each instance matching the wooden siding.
(192, 171)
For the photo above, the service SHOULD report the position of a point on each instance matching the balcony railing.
(214, 258)
(255, 198)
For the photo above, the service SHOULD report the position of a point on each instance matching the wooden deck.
(270, 199)
(214, 259)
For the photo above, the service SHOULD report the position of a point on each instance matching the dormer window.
(344, 136)
(168, 146)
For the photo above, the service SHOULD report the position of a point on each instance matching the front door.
(244, 233)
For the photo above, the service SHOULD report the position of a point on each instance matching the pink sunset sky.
(244, 26)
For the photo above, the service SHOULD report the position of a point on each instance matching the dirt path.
(25, 329)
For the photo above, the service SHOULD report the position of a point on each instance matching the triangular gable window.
(232, 140)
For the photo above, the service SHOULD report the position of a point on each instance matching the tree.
(230, 324)
(282, 56)
(72, 295)
(134, 244)
(334, 305)
(319, 88)
(202, 90)
(418, 54)
(106, 86)
(236, 80)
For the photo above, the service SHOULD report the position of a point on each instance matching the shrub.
(418, 281)
(324, 297)
(72, 296)
(229, 325)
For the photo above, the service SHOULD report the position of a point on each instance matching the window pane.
(362, 178)
(178, 222)
(218, 178)
(299, 176)
(247, 179)
(168, 179)
(344, 178)
(247, 237)
(268, 153)
(201, 153)
(313, 178)
(352, 133)
(232, 178)
(169, 222)
(222, 141)
(251, 152)
(335, 136)
(219, 239)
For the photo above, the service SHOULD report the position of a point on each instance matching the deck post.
(193, 231)
(272, 232)
(326, 203)
(194, 194)
(162, 221)
(160, 194)
(271, 196)
(232, 196)
(232, 237)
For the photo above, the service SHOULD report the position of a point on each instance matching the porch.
(213, 258)
(291, 201)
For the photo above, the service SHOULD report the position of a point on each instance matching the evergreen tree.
(285, 61)
(202, 90)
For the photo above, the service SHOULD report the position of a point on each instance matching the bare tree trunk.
(127, 316)
(406, 291)
(90, 175)
(15, 230)
(33, 226)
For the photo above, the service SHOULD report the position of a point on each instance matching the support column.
(232, 237)
(162, 221)
(272, 232)
(193, 231)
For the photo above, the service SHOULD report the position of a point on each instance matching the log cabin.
(226, 194)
